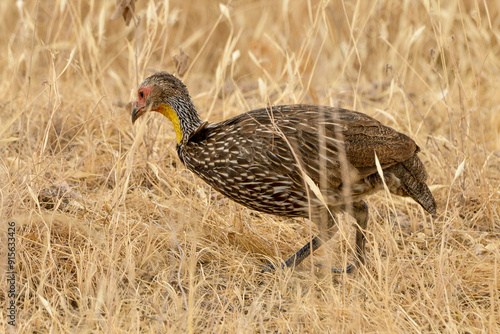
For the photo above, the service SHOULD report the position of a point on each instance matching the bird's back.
(260, 158)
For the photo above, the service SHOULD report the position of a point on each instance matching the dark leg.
(310, 247)
(298, 257)
(304, 252)
(360, 213)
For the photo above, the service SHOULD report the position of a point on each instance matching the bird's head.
(164, 93)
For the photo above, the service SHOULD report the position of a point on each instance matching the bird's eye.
(141, 94)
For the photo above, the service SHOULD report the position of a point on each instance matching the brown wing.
(320, 136)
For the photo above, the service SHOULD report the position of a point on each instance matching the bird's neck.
(183, 116)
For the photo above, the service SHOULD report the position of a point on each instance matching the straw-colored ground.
(113, 234)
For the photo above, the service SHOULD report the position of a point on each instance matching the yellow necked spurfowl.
(291, 160)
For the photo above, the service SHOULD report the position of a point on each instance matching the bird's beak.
(136, 113)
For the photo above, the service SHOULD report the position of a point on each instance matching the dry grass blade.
(124, 8)
(181, 62)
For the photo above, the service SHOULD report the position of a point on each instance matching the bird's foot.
(268, 268)
(346, 270)
(350, 267)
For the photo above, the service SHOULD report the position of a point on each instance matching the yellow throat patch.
(169, 113)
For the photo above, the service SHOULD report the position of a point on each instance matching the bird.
(292, 161)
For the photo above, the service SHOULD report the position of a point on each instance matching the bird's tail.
(412, 176)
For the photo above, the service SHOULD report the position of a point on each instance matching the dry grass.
(114, 235)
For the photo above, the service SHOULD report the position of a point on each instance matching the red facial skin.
(142, 95)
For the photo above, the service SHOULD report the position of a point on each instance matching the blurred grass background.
(115, 235)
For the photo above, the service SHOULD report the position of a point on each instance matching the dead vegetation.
(114, 235)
